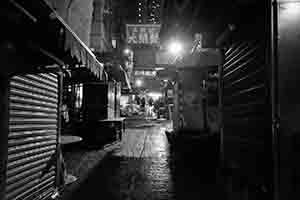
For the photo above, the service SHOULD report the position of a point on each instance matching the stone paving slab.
(81, 161)
(142, 167)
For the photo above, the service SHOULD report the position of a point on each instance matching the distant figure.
(143, 103)
(150, 102)
(138, 100)
(156, 108)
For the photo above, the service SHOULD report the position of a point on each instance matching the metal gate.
(33, 136)
(247, 112)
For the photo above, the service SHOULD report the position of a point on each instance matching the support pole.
(274, 96)
(4, 131)
(59, 124)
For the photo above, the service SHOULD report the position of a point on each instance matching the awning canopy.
(82, 75)
(36, 38)
(80, 51)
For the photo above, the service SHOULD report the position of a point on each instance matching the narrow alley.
(150, 100)
(144, 167)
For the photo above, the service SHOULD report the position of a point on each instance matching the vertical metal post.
(274, 96)
(116, 96)
(223, 177)
(73, 102)
(59, 110)
(220, 95)
(4, 131)
(204, 106)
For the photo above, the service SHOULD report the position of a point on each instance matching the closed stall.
(98, 104)
(189, 95)
(260, 101)
(98, 101)
(246, 106)
(33, 135)
(190, 116)
(246, 114)
(31, 96)
(195, 115)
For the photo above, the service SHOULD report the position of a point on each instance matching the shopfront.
(31, 97)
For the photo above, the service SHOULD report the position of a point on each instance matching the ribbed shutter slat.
(32, 127)
(33, 102)
(36, 84)
(29, 188)
(28, 179)
(27, 107)
(30, 95)
(21, 176)
(32, 139)
(17, 156)
(31, 133)
(36, 90)
(24, 114)
(28, 140)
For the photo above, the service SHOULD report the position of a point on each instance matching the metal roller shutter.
(32, 139)
(246, 109)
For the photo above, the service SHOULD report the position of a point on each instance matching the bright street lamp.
(175, 48)
(126, 51)
(138, 82)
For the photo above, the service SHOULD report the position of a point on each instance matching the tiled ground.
(141, 167)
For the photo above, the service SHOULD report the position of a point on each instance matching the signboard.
(150, 73)
(145, 34)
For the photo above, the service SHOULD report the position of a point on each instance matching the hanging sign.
(145, 34)
(150, 73)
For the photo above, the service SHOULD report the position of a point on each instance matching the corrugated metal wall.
(32, 140)
(247, 112)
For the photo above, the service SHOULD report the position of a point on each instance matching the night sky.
(209, 17)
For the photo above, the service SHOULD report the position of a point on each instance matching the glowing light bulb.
(175, 48)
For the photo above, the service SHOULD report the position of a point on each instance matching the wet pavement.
(145, 166)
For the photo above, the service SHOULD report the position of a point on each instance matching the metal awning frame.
(46, 40)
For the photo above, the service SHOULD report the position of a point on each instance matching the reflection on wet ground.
(144, 167)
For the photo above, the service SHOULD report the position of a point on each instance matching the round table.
(69, 139)
(64, 140)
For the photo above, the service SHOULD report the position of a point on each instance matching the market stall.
(36, 47)
(101, 122)
(191, 92)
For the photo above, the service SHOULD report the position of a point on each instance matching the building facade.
(148, 11)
